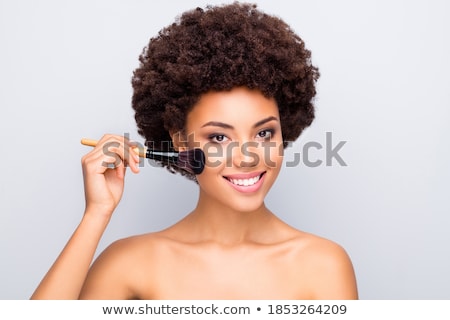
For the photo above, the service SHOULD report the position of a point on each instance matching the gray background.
(65, 70)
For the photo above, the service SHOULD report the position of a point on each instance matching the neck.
(214, 222)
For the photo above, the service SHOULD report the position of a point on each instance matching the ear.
(178, 140)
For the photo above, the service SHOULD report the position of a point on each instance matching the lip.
(246, 189)
(244, 175)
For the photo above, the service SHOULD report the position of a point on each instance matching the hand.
(104, 172)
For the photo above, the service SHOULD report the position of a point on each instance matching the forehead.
(238, 106)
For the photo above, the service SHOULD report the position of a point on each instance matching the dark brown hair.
(217, 49)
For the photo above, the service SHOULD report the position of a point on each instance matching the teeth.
(245, 182)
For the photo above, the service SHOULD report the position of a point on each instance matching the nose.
(244, 154)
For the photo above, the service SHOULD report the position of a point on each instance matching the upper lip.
(244, 175)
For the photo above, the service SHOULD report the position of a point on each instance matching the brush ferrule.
(162, 156)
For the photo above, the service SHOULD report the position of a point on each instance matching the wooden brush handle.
(93, 143)
(89, 142)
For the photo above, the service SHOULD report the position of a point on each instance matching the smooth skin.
(231, 246)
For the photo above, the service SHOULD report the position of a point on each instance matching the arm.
(65, 278)
(103, 190)
(118, 262)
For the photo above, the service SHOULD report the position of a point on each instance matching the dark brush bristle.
(192, 160)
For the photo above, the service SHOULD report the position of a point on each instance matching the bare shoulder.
(327, 267)
(122, 268)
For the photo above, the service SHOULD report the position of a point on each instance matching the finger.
(126, 154)
(99, 161)
(134, 159)
(120, 148)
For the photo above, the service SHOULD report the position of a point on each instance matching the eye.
(218, 138)
(265, 134)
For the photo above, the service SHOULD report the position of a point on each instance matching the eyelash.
(213, 138)
(266, 137)
(223, 138)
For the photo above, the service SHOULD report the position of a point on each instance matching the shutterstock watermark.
(331, 152)
(310, 154)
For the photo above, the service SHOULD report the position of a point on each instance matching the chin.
(247, 206)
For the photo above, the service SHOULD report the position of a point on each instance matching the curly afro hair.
(217, 49)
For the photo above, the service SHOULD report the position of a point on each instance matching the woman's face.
(240, 133)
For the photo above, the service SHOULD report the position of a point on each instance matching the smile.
(245, 183)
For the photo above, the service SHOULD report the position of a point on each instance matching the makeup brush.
(192, 161)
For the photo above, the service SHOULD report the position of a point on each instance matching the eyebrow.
(227, 126)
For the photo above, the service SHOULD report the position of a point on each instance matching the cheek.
(220, 156)
(211, 175)
(271, 154)
(216, 156)
(278, 154)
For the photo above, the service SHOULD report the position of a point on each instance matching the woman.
(239, 85)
